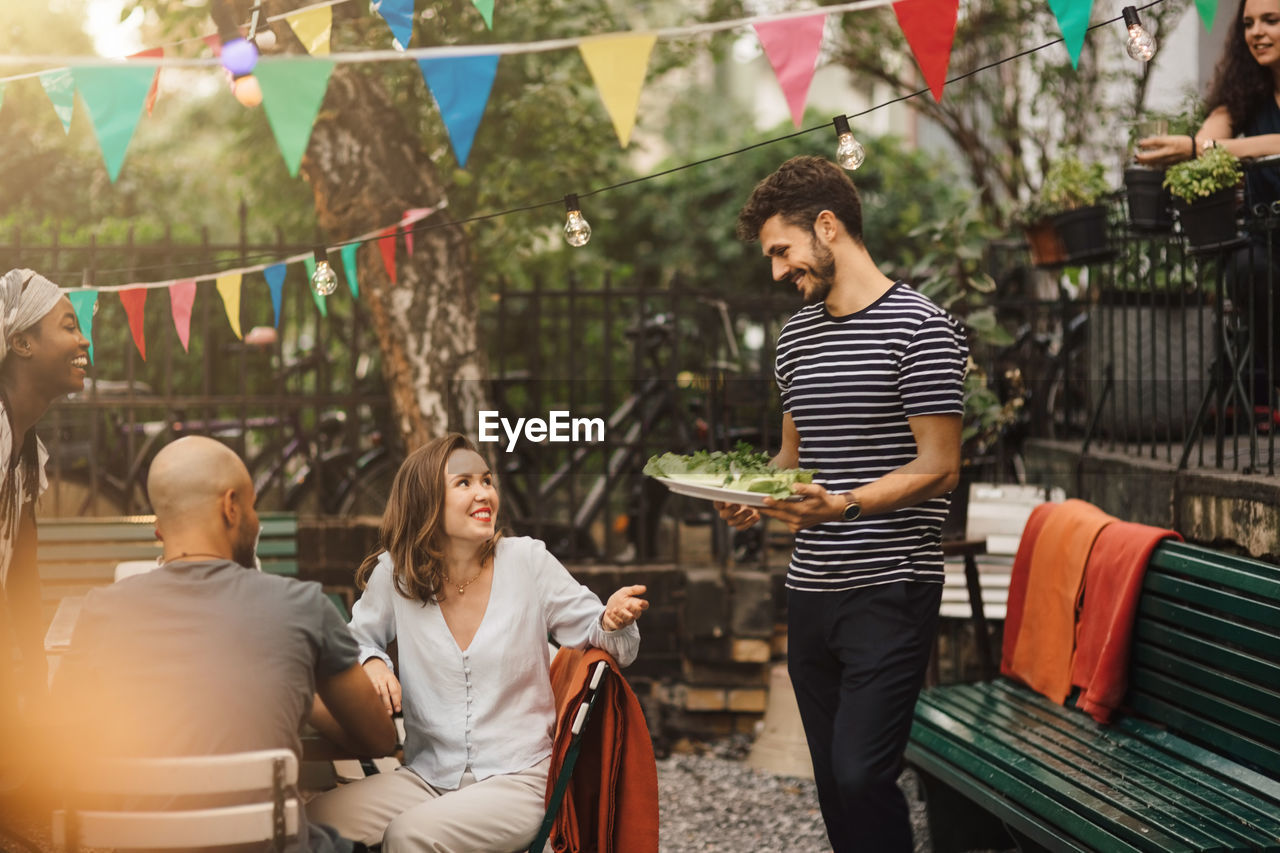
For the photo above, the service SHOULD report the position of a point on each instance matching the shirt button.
(469, 699)
(466, 670)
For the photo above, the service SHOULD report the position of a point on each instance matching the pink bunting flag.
(133, 300)
(387, 246)
(214, 43)
(792, 46)
(182, 295)
(930, 29)
(157, 52)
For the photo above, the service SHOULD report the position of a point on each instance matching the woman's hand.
(737, 516)
(623, 607)
(1165, 150)
(384, 683)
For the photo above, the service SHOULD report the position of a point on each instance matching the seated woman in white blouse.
(471, 611)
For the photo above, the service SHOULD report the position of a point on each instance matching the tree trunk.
(366, 167)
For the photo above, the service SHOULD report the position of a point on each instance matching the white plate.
(718, 493)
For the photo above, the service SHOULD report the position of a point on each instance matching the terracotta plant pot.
(1045, 244)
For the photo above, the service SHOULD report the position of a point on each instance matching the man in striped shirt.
(871, 374)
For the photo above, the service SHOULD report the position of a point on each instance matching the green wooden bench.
(77, 554)
(1193, 765)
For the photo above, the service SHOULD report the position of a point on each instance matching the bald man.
(206, 656)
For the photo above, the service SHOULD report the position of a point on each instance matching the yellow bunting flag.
(618, 64)
(312, 28)
(229, 290)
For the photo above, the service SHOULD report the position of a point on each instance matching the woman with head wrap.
(43, 357)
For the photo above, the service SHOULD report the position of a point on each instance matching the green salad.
(741, 468)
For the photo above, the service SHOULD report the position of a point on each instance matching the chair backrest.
(1204, 653)
(998, 511)
(267, 774)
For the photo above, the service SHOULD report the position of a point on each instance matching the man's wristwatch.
(852, 509)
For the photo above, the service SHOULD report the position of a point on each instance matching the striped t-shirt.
(850, 383)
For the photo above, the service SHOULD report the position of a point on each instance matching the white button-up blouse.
(488, 707)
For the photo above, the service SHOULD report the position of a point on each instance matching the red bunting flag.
(182, 295)
(387, 246)
(930, 29)
(133, 300)
(157, 52)
(792, 46)
(215, 43)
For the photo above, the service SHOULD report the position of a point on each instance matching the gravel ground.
(710, 800)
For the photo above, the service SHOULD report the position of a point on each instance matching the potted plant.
(1075, 190)
(1150, 205)
(1036, 220)
(1204, 193)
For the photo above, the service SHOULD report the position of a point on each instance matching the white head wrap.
(21, 307)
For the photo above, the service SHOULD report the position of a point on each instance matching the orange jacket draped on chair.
(611, 805)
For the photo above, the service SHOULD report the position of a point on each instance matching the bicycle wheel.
(367, 491)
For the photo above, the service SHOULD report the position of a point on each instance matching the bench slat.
(1058, 744)
(1221, 629)
(1230, 661)
(1240, 573)
(1204, 596)
(1198, 727)
(1250, 707)
(1128, 760)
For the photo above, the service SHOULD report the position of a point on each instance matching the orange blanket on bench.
(1043, 650)
(1112, 583)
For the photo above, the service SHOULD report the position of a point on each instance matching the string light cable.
(425, 226)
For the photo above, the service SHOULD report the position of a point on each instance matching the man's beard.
(245, 551)
(822, 273)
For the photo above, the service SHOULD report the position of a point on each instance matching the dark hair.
(1239, 83)
(28, 459)
(412, 529)
(802, 188)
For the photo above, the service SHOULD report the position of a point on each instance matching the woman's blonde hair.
(412, 529)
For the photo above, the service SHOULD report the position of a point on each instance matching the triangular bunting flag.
(930, 28)
(214, 42)
(486, 11)
(229, 289)
(348, 253)
(134, 300)
(399, 16)
(313, 28)
(387, 246)
(461, 87)
(182, 295)
(321, 301)
(61, 89)
(618, 64)
(115, 96)
(83, 301)
(792, 47)
(1073, 20)
(292, 91)
(1208, 10)
(154, 91)
(274, 275)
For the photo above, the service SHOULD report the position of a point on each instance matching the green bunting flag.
(320, 300)
(292, 91)
(486, 11)
(61, 90)
(83, 301)
(1208, 10)
(1073, 20)
(348, 253)
(115, 96)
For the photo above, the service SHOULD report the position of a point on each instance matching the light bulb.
(324, 280)
(247, 90)
(849, 152)
(265, 39)
(577, 231)
(1141, 45)
(239, 56)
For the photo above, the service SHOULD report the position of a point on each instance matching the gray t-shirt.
(201, 658)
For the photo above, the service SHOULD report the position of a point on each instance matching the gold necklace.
(462, 589)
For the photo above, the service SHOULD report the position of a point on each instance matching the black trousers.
(857, 660)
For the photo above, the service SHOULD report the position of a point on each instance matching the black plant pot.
(1210, 223)
(1084, 234)
(1150, 205)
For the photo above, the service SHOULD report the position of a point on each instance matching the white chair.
(269, 775)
